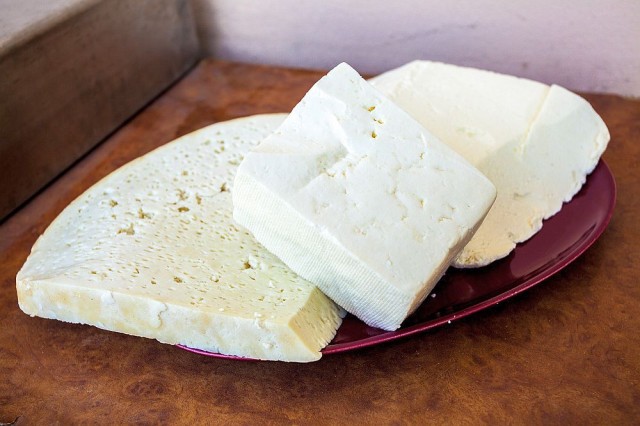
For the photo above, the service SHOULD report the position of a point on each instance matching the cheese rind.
(152, 250)
(357, 197)
(536, 143)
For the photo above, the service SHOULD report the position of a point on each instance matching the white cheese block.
(357, 197)
(152, 250)
(536, 143)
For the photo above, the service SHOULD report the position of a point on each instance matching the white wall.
(587, 45)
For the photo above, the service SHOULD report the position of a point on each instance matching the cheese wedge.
(152, 250)
(536, 143)
(357, 197)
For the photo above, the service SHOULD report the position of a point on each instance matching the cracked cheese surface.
(536, 143)
(357, 197)
(151, 250)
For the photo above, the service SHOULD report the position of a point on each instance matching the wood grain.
(76, 75)
(567, 351)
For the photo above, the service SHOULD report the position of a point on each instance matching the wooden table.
(566, 351)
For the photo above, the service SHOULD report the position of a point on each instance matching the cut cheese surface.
(536, 143)
(357, 197)
(152, 250)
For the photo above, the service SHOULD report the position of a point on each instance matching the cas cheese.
(152, 250)
(357, 197)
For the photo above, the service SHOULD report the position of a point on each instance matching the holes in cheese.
(152, 250)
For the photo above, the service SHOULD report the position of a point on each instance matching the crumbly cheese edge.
(176, 324)
(473, 257)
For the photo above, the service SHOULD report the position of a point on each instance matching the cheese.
(357, 197)
(152, 250)
(536, 143)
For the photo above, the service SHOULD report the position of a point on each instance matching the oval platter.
(462, 292)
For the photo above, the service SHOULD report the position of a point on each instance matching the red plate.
(461, 292)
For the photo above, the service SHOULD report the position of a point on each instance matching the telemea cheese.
(536, 143)
(152, 250)
(357, 197)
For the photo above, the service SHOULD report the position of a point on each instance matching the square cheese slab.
(152, 250)
(357, 197)
(536, 143)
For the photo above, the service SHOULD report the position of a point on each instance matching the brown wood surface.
(566, 351)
